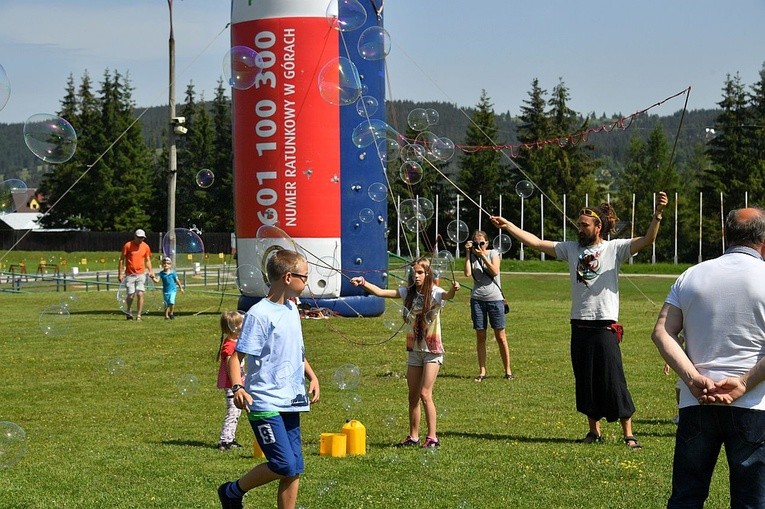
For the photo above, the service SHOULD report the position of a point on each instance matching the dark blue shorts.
(279, 439)
(494, 310)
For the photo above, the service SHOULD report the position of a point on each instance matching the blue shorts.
(494, 310)
(279, 439)
(169, 297)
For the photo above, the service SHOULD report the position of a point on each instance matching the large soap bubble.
(50, 138)
(339, 82)
(411, 172)
(13, 444)
(374, 43)
(241, 67)
(524, 188)
(182, 241)
(346, 15)
(371, 131)
(5, 88)
(54, 321)
(502, 243)
(347, 376)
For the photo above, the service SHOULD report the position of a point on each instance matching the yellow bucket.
(256, 450)
(332, 444)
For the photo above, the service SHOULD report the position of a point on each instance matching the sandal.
(510, 377)
(479, 378)
(632, 442)
(592, 438)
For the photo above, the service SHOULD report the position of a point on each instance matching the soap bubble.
(187, 384)
(183, 241)
(351, 403)
(502, 243)
(377, 191)
(457, 231)
(248, 278)
(418, 119)
(442, 149)
(347, 376)
(241, 67)
(346, 15)
(339, 82)
(429, 456)
(432, 116)
(411, 172)
(69, 301)
(374, 43)
(54, 321)
(367, 215)
(204, 178)
(115, 366)
(8, 188)
(13, 444)
(367, 106)
(524, 188)
(49, 137)
(371, 131)
(5, 88)
(388, 149)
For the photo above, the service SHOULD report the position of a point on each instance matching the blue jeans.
(701, 432)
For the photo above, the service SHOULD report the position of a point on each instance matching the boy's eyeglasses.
(303, 277)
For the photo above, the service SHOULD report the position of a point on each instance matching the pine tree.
(222, 162)
(481, 171)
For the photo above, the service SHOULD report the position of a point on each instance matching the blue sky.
(615, 57)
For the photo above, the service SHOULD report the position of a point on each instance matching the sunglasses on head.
(589, 213)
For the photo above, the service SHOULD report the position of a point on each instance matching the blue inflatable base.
(350, 306)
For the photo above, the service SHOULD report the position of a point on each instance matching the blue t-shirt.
(168, 281)
(272, 341)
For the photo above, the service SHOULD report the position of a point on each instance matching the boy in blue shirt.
(274, 392)
(170, 286)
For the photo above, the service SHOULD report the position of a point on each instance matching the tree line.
(117, 179)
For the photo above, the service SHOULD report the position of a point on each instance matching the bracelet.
(236, 388)
(658, 218)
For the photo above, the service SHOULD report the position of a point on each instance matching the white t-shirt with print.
(594, 274)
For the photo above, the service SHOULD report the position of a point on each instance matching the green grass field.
(109, 427)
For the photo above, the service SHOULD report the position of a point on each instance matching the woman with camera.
(487, 303)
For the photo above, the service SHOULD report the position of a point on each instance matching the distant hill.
(16, 161)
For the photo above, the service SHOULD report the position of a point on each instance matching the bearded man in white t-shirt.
(596, 359)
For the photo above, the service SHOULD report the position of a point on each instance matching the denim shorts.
(481, 309)
(422, 358)
(279, 439)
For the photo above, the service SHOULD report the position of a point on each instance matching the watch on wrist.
(236, 388)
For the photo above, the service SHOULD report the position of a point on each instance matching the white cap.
(140, 233)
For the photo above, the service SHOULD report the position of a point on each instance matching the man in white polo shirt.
(719, 305)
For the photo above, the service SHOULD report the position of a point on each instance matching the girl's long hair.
(230, 325)
(420, 323)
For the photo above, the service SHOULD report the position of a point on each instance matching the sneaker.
(228, 503)
(172, 316)
(431, 443)
(234, 444)
(224, 446)
(129, 316)
(408, 441)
